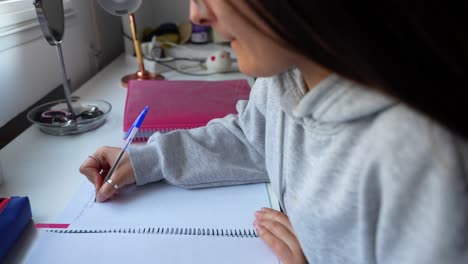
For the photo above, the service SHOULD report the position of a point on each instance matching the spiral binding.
(243, 233)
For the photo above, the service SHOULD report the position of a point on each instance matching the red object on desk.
(3, 203)
(181, 104)
(51, 226)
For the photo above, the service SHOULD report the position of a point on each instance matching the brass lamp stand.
(128, 7)
(141, 74)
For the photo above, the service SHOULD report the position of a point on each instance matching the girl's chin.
(253, 70)
(234, 44)
(250, 65)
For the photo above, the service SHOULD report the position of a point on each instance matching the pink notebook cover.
(181, 104)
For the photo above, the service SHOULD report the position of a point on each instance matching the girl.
(356, 123)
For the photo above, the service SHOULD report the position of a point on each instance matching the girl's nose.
(199, 13)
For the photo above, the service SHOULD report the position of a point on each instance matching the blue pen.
(130, 136)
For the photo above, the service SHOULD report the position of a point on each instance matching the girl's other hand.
(276, 231)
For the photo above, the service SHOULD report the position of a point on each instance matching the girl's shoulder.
(405, 140)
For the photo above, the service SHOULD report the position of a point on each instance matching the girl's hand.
(96, 167)
(276, 231)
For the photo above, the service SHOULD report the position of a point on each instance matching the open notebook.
(158, 223)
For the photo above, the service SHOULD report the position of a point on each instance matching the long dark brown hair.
(416, 51)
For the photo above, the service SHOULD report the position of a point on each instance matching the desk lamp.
(128, 7)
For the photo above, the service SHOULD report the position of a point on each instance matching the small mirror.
(69, 116)
(51, 18)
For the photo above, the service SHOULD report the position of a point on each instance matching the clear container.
(53, 117)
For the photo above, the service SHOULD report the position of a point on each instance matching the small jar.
(200, 34)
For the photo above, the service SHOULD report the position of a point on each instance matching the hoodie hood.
(335, 99)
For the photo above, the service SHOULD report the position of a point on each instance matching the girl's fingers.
(273, 215)
(275, 229)
(91, 169)
(94, 165)
(278, 230)
(97, 166)
(107, 191)
(277, 245)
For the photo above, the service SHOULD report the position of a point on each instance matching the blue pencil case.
(15, 214)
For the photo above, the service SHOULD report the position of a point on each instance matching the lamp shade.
(120, 7)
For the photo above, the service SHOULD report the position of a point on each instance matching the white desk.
(45, 168)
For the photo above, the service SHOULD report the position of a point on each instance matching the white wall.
(153, 13)
(30, 70)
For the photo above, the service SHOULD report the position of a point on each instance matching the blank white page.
(145, 248)
(159, 205)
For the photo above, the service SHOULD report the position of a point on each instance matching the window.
(18, 15)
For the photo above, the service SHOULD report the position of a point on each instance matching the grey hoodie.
(362, 178)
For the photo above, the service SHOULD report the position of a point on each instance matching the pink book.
(181, 104)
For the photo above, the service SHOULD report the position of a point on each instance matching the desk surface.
(45, 167)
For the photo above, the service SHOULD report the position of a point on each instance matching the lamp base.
(146, 75)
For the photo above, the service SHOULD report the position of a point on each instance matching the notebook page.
(82, 199)
(159, 205)
(144, 248)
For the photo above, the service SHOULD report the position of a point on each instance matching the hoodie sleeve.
(227, 151)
